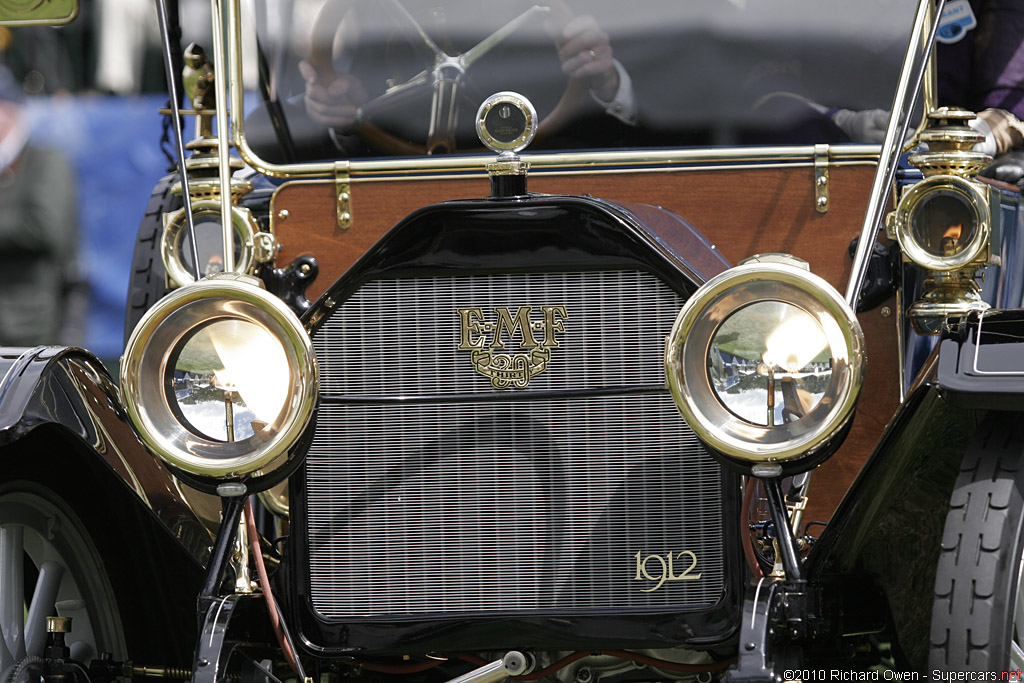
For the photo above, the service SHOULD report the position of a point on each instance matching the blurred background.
(91, 90)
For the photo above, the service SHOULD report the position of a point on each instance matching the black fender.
(876, 559)
(62, 427)
(981, 360)
(885, 537)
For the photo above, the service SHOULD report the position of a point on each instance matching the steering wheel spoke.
(490, 42)
(406, 20)
(396, 96)
(444, 77)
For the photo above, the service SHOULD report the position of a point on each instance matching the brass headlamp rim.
(688, 377)
(155, 342)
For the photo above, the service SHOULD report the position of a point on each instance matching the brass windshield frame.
(546, 162)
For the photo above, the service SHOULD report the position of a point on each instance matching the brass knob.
(58, 624)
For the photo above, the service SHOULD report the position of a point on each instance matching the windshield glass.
(380, 78)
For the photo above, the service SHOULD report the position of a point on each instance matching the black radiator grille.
(503, 501)
(401, 337)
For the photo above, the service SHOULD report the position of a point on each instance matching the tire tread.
(147, 280)
(980, 552)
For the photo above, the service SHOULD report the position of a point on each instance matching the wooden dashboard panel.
(741, 211)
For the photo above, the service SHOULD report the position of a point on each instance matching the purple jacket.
(986, 67)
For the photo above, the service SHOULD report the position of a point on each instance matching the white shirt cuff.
(623, 106)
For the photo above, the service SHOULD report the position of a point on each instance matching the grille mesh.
(499, 503)
(401, 337)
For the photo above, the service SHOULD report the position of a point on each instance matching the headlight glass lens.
(230, 380)
(944, 223)
(770, 363)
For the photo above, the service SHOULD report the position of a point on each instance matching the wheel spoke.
(43, 605)
(44, 544)
(82, 651)
(12, 594)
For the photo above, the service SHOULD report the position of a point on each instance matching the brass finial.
(950, 145)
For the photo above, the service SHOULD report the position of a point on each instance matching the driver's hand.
(334, 103)
(867, 125)
(586, 54)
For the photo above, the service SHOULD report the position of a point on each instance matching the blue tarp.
(114, 144)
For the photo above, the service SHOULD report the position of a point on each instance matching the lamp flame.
(951, 239)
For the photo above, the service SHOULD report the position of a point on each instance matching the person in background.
(980, 55)
(980, 62)
(333, 96)
(39, 296)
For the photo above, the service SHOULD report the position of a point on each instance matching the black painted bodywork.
(535, 233)
(875, 562)
(62, 428)
(981, 360)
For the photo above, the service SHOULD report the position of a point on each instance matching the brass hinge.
(821, 178)
(344, 195)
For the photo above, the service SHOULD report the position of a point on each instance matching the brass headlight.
(220, 380)
(176, 245)
(765, 362)
(943, 223)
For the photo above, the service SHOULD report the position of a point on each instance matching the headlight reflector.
(765, 362)
(213, 380)
(769, 346)
(219, 378)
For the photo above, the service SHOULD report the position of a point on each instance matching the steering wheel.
(442, 78)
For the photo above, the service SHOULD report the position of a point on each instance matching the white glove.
(862, 126)
(988, 145)
(1002, 130)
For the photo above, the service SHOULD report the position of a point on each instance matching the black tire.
(977, 579)
(147, 282)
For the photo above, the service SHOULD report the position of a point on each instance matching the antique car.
(479, 342)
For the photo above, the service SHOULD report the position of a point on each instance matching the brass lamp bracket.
(821, 199)
(344, 194)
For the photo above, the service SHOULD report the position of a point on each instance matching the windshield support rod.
(911, 77)
(172, 87)
(224, 140)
